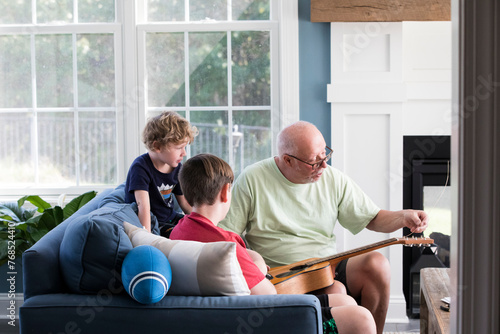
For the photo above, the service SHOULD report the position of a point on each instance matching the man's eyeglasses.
(317, 164)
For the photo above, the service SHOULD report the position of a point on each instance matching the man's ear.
(287, 159)
(225, 193)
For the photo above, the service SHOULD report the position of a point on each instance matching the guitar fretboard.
(355, 250)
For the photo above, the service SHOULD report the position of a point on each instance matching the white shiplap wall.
(388, 80)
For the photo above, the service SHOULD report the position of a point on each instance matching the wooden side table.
(434, 285)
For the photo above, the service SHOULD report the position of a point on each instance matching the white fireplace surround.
(387, 80)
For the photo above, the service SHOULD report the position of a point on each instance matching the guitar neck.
(356, 251)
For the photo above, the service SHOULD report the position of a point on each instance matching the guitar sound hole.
(299, 268)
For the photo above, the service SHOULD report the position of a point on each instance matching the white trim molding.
(289, 64)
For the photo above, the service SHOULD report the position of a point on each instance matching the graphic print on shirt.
(166, 192)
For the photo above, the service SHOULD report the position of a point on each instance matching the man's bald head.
(292, 138)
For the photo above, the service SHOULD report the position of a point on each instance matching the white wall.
(388, 80)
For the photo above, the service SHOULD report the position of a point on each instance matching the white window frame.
(130, 93)
(284, 66)
(32, 30)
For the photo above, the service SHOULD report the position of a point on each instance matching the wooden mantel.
(380, 10)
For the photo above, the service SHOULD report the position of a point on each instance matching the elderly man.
(289, 204)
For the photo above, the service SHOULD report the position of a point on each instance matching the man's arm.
(390, 221)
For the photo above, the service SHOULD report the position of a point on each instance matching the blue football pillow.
(146, 274)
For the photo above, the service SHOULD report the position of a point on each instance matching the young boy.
(206, 181)
(153, 177)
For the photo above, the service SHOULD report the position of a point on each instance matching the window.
(58, 94)
(79, 78)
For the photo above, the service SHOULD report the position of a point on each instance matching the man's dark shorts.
(340, 272)
(341, 276)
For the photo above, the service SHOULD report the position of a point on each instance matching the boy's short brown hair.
(202, 178)
(168, 127)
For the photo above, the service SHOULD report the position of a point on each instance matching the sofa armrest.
(41, 272)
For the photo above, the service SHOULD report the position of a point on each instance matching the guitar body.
(288, 280)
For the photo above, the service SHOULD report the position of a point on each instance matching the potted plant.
(21, 227)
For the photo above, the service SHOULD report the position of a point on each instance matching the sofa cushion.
(93, 248)
(198, 269)
(117, 196)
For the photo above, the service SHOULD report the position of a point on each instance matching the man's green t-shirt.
(287, 222)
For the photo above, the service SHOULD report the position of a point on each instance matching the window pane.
(96, 70)
(165, 69)
(54, 79)
(251, 68)
(15, 72)
(98, 159)
(208, 68)
(56, 148)
(166, 10)
(16, 160)
(208, 10)
(252, 137)
(50, 11)
(212, 137)
(96, 11)
(251, 10)
(15, 12)
(437, 203)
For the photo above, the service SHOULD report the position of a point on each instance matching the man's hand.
(415, 220)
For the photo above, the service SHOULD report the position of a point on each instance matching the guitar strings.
(440, 195)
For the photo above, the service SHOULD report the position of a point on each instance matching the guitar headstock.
(416, 241)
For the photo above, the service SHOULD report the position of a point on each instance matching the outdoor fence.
(92, 155)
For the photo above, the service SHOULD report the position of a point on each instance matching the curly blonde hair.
(168, 128)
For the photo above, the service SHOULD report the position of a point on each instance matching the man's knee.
(378, 265)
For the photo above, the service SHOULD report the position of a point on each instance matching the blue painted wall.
(314, 70)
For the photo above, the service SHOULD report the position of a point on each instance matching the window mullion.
(230, 100)
(34, 138)
(76, 106)
(186, 79)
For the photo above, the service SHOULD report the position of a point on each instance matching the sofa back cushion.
(93, 249)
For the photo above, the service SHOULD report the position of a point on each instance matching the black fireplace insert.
(426, 173)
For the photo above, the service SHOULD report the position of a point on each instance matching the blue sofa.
(59, 298)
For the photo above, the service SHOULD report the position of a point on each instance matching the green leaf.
(3, 249)
(11, 210)
(31, 222)
(50, 219)
(37, 234)
(77, 203)
(36, 201)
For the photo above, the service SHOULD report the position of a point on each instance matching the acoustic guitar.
(316, 273)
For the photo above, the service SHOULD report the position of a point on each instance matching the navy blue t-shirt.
(143, 175)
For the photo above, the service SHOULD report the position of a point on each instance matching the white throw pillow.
(198, 269)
